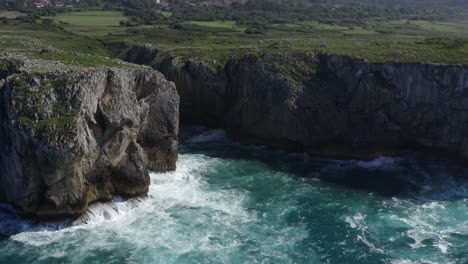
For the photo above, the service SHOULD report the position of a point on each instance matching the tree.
(47, 21)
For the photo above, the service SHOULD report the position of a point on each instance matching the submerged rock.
(70, 136)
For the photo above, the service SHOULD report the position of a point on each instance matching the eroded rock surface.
(71, 136)
(327, 104)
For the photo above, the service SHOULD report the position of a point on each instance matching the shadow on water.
(413, 175)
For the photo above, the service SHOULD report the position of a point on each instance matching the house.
(41, 3)
(161, 3)
(56, 3)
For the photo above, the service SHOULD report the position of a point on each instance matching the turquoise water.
(231, 203)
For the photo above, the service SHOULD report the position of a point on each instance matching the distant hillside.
(222, 2)
(28, 4)
(446, 3)
(15, 4)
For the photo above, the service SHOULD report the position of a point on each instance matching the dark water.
(230, 203)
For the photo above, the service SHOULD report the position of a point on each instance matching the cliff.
(72, 135)
(327, 104)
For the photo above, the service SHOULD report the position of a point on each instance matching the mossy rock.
(41, 108)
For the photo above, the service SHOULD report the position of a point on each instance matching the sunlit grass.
(92, 18)
(377, 41)
(11, 14)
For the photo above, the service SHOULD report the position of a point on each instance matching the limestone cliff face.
(341, 106)
(70, 136)
(328, 104)
(205, 90)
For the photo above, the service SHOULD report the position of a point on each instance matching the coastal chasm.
(71, 135)
(325, 104)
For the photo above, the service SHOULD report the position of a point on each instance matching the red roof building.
(41, 3)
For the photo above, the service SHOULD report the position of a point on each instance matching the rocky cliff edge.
(70, 135)
(325, 104)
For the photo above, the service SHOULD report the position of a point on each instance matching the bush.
(47, 21)
(27, 19)
(178, 26)
(255, 30)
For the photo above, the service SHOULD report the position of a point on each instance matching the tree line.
(256, 15)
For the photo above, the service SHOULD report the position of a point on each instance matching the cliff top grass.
(51, 43)
(84, 60)
(396, 40)
(429, 41)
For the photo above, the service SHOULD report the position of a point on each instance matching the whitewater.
(234, 203)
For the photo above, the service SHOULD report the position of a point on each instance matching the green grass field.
(92, 23)
(11, 14)
(166, 13)
(92, 18)
(218, 24)
(378, 41)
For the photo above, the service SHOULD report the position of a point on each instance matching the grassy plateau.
(444, 41)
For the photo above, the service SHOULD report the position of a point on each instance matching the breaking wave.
(256, 207)
(380, 162)
(210, 135)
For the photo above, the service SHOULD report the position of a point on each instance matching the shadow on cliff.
(11, 223)
(416, 176)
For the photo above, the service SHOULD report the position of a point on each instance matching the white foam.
(187, 213)
(381, 161)
(424, 261)
(358, 222)
(369, 244)
(37, 239)
(188, 188)
(184, 188)
(100, 212)
(429, 224)
(443, 246)
(210, 135)
(402, 261)
(50, 232)
(355, 221)
(433, 205)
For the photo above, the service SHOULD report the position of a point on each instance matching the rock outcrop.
(327, 104)
(71, 136)
(144, 54)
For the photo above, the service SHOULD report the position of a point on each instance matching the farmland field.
(218, 24)
(378, 41)
(11, 14)
(92, 18)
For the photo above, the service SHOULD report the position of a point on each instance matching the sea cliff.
(325, 104)
(71, 135)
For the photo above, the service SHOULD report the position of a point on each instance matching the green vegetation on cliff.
(85, 60)
(54, 122)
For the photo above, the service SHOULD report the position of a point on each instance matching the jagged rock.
(203, 87)
(71, 136)
(144, 54)
(328, 104)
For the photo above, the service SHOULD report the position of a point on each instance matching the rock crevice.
(327, 104)
(71, 136)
